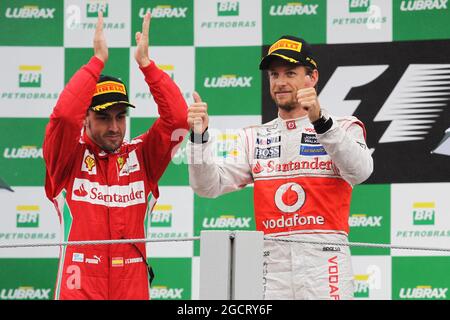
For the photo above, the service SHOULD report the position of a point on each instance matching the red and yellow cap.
(291, 49)
(108, 92)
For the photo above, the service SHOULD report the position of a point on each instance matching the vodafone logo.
(290, 197)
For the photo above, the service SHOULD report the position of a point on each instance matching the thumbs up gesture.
(198, 115)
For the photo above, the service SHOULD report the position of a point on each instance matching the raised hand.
(198, 115)
(141, 53)
(100, 46)
(307, 98)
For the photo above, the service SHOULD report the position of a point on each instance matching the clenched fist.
(307, 98)
(198, 115)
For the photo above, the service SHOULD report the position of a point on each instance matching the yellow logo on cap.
(110, 87)
(286, 45)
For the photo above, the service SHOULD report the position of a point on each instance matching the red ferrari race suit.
(102, 196)
(302, 190)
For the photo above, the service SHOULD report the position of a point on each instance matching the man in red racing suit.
(108, 191)
(303, 165)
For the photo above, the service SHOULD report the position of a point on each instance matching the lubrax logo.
(25, 293)
(228, 81)
(423, 213)
(423, 292)
(164, 11)
(364, 221)
(27, 216)
(359, 5)
(29, 12)
(30, 76)
(24, 152)
(161, 216)
(163, 292)
(111, 196)
(226, 221)
(421, 5)
(93, 7)
(227, 8)
(293, 9)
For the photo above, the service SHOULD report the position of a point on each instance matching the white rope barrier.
(94, 242)
(124, 241)
(359, 244)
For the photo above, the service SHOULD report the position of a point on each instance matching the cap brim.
(267, 60)
(109, 104)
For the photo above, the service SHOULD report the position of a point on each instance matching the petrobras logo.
(227, 8)
(423, 292)
(361, 12)
(365, 221)
(164, 292)
(27, 216)
(164, 11)
(423, 213)
(367, 281)
(228, 81)
(30, 80)
(358, 5)
(422, 5)
(226, 145)
(30, 76)
(227, 221)
(293, 9)
(24, 152)
(362, 289)
(228, 15)
(94, 6)
(161, 216)
(25, 293)
(110, 196)
(290, 197)
(29, 12)
(168, 68)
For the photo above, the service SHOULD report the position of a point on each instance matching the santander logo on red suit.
(110, 196)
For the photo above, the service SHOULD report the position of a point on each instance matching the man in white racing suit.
(304, 165)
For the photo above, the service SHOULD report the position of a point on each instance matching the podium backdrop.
(386, 62)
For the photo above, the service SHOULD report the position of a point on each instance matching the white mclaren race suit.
(302, 190)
